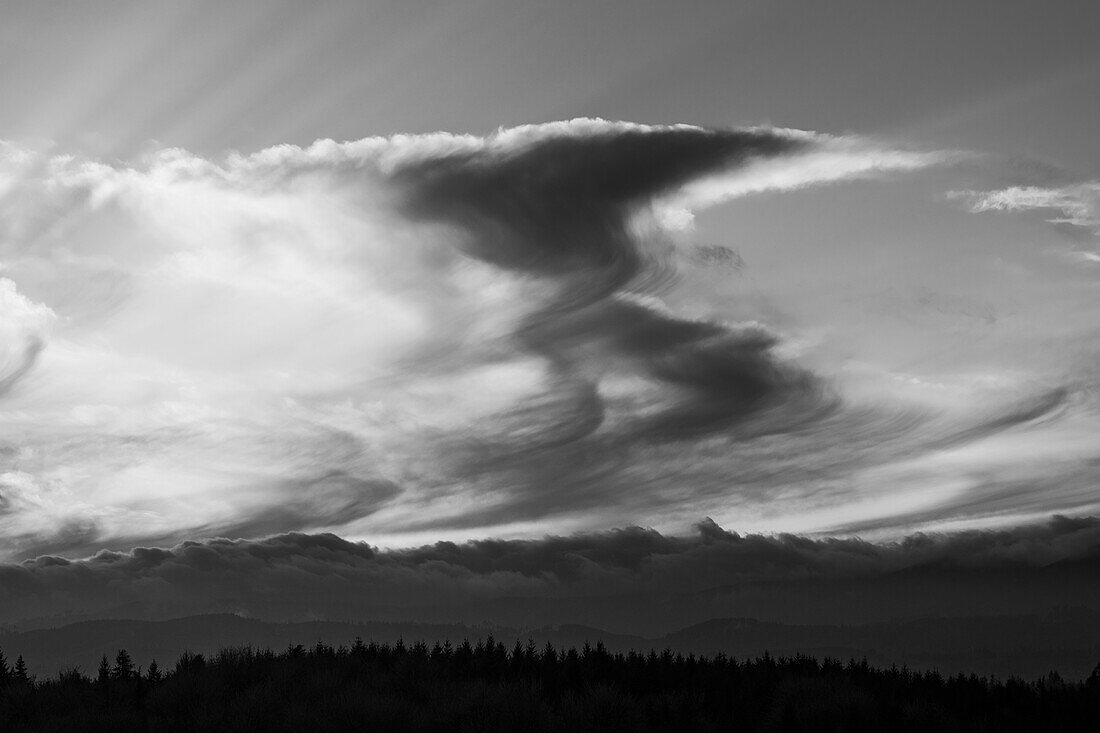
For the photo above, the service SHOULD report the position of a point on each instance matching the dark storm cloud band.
(299, 575)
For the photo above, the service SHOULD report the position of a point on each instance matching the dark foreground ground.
(488, 687)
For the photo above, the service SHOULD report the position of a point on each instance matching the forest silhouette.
(487, 686)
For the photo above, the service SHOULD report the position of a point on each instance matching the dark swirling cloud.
(323, 576)
(563, 207)
(560, 203)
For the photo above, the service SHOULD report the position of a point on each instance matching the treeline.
(489, 687)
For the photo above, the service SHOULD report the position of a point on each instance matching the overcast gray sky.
(812, 267)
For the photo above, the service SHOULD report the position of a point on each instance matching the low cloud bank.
(298, 576)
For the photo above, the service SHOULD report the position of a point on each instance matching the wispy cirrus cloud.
(1077, 205)
(832, 160)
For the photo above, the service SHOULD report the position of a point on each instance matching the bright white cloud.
(832, 160)
(1079, 204)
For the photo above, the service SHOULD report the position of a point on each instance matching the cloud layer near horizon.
(299, 576)
(444, 335)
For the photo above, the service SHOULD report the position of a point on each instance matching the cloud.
(329, 499)
(831, 160)
(322, 576)
(1078, 205)
(430, 335)
(26, 363)
(23, 325)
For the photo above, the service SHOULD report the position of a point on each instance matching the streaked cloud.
(833, 159)
(1078, 204)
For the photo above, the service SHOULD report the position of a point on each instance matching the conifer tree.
(19, 672)
(104, 673)
(5, 671)
(124, 666)
(153, 675)
(1093, 680)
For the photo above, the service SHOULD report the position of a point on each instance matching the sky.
(411, 273)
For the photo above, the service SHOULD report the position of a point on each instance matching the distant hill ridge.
(1066, 640)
